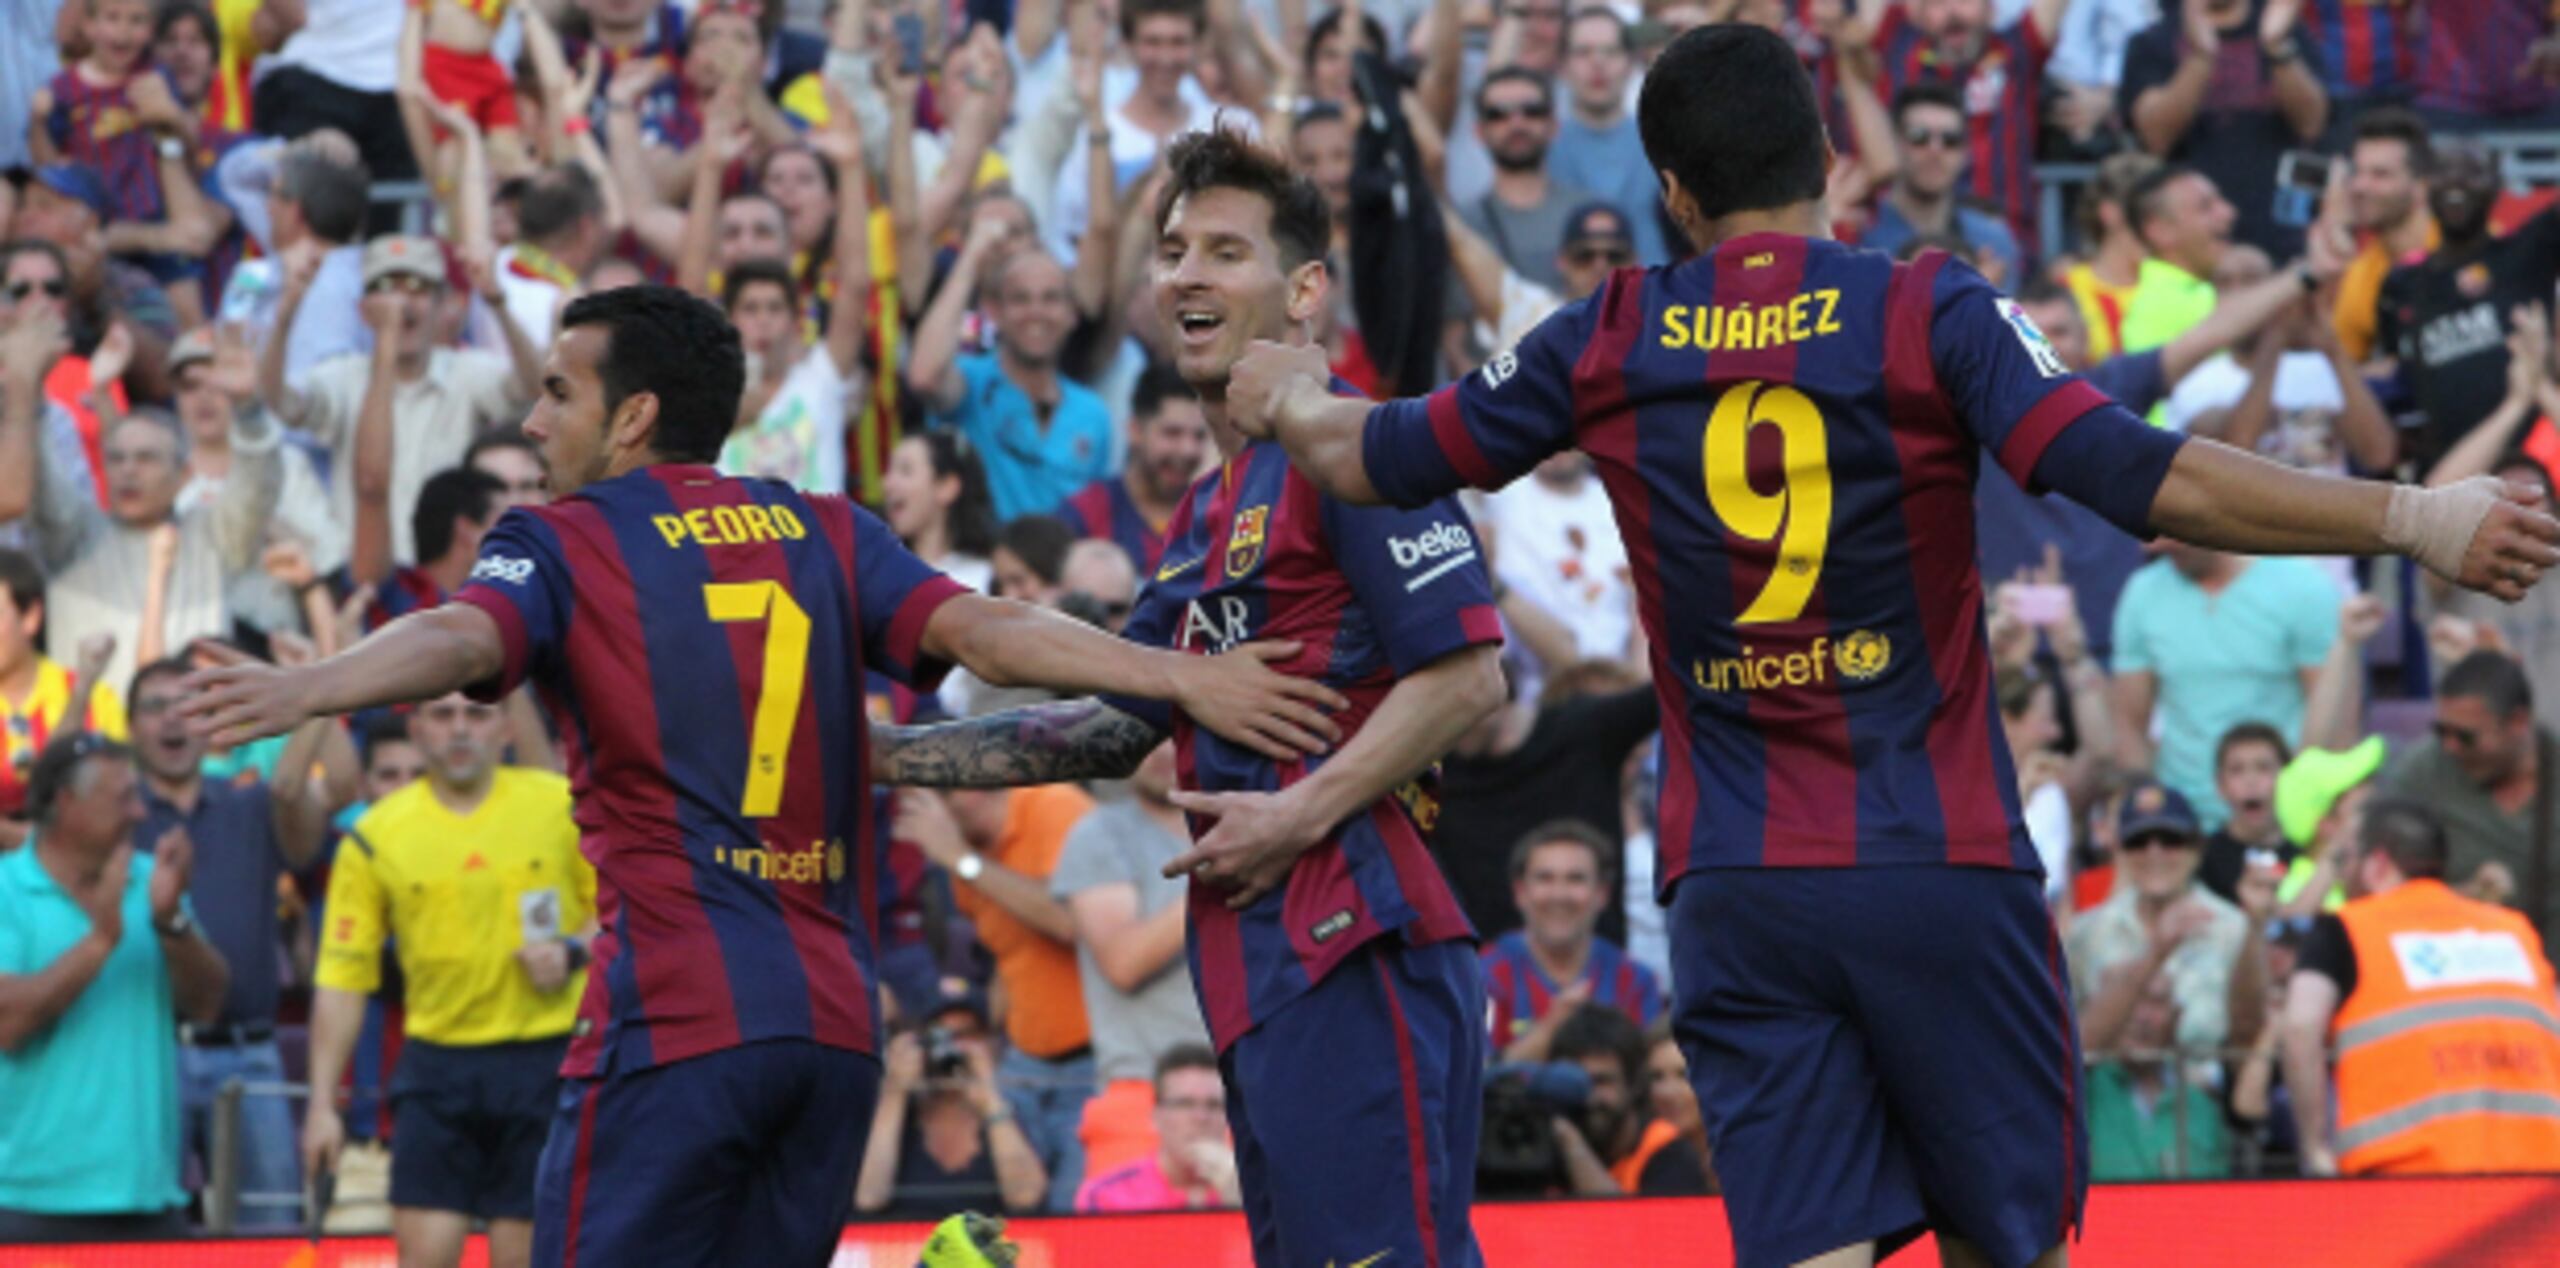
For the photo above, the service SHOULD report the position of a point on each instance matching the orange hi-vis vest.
(2449, 1048)
(1629, 1171)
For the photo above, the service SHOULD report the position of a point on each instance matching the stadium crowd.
(277, 278)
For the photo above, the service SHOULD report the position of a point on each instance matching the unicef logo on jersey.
(1500, 369)
(504, 569)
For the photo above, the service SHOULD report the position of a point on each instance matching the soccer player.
(1334, 967)
(702, 642)
(1869, 991)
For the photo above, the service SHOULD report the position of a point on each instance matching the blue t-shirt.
(2223, 659)
(1889, 232)
(1031, 470)
(1610, 162)
(89, 1107)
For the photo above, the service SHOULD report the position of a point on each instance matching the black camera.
(1518, 1156)
(944, 1058)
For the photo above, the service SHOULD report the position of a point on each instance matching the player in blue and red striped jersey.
(702, 641)
(1868, 986)
(1332, 963)
(2000, 71)
(1168, 439)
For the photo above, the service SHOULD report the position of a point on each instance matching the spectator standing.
(2208, 640)
(560, 234)
(1525, 208)
(206, 367)
(441, 397)
(1615, 1144)
(1042, 435)
(2486, 64)
(2294, 396)
(2226, 87)
(1932, 144)
(2408, 981)
(41, 698)
(1168, 440)
(2367, 54)
(2246, 761)
(1538, 976)
(791, 419)
(1002, 846)
(304, 203)
(474, 875)
(1167, 40)
(85, 390)
(66, 207)
(2486, 775)
(116, 115)
(2146, 1120)
(1128, 921)
(2185, 226)
(98, 950)
(934, 497)
(2160, 920)
(1193, 1165)
(2389, 167)
(245, 837)
(2104, 282)
(2000, 72)
(945, 1137)
(2448, 318)
(338, 68)
(1559, 547)
(1596, 147)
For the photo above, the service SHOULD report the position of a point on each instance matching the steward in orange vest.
(2441, 1013)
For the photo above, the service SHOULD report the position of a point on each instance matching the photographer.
(944, 1140)
(1615, 1145)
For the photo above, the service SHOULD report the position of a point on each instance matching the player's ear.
(635, 423)
(1309, 285)
(1677, 200)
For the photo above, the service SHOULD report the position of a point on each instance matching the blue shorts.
(1355, 1109)
(743, 1156)
(1878, 1050)
(467, 1124)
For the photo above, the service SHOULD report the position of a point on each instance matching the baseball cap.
(1598, 222)
(406, 255)
(2153, 807)
(71, 180)
(952, 995)
(2315, 779)
(191, 347)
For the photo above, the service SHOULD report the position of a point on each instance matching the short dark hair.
(1332, 22)
(1184, 1056)
(2036, 288)
(1040, 542)
(2401, 124)
(1926, 92)
(1313, 113)
(22, 578)
(1600, 1030)
(678, 348)
(510, 436)
(748, 273)
(1564, 832)
(1732, 160)
(2144, 200)
(1157, 384)
(464, 492)
(334, 196)
(2409, 833)
(1195, 11)
(2250, 732)
(144, 676)
(58, 766)
(2492, 678)
(173, 12)
(1301, 221)
(555, 201)
(380, 728)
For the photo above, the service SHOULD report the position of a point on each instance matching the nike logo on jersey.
(1172, 570)
(1359, 1263)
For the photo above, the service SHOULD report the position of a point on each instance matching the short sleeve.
(2327, 951)
(2311, 613)
(1085, 861)
(2014, 394)
(1418, 574)
(351, 944)
(1489, 427)
(521, 581)
(896, 594)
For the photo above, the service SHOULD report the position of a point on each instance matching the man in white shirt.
(1147, 110)
(560, 231)
(306, 197)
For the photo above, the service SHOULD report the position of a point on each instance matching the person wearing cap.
(2319, 805)
(1598, 240)
(1930, 135)
(441, 397)
(2439, 1009)
(2159, 919)
(945, 1139)
(2487, 775)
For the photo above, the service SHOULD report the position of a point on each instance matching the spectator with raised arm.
(2159, 920)
(1524, 212)
(209, 365)
(1929, 135)
(2226, 87)
(1999, 70)
(66, 208)
(304, 203)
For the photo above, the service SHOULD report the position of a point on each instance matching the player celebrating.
(702, 641)
(1335, 971)
(1870, 994)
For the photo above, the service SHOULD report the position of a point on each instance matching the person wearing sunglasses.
(1527, 207)
(2161, 919)
(1934, 148)
(2486, 774)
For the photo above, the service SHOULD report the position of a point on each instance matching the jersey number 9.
(1798, 516)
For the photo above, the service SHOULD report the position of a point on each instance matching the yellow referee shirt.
(462, 893)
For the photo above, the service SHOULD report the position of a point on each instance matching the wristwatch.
(171, 147)
(970, 867)
(178, 926)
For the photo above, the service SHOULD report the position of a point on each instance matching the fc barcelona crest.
(1244, 543)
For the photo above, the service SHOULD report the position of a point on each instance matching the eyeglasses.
(2159, 841)
(1532, 111)
(1922, 138)
(2452, 736)
(53, 287)
(1614, 257)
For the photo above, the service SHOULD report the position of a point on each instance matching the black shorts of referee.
(467, 1125)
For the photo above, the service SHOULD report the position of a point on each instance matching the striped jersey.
(1521, 992)
(2002, 89)
(701, 642)
(96, 128)
(1104, 509)
(2364, 47)
(1788, 430)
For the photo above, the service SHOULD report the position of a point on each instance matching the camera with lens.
(1519, 1156)
(944, 1058)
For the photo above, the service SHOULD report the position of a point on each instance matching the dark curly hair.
(1301, 222)
(678, 348)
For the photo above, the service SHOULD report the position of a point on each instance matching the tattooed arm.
(1037, 744)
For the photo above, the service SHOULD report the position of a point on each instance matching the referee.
(474, 872)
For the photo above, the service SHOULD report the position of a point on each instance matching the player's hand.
(323, 1135)
(1267, 378)
(235, 698)
(2515, 543)
(1258, 838)
(173, 859)
(1238, 695)
(545, 964)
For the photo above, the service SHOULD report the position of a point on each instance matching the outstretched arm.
(1038, 744)
(418, 657)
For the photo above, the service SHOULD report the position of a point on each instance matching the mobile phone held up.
(2301, 178)
(909, 30)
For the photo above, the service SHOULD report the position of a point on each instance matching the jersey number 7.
(1798, 515)
(786, 667)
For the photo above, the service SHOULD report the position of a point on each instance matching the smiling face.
(1321, 148)
(1560, 894)
(1033, 311)
(1167, 448)
(118, 31)
(1165, 46)
(2161, 862)
(2383, 190)
(186, 53)
(1220, 283)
